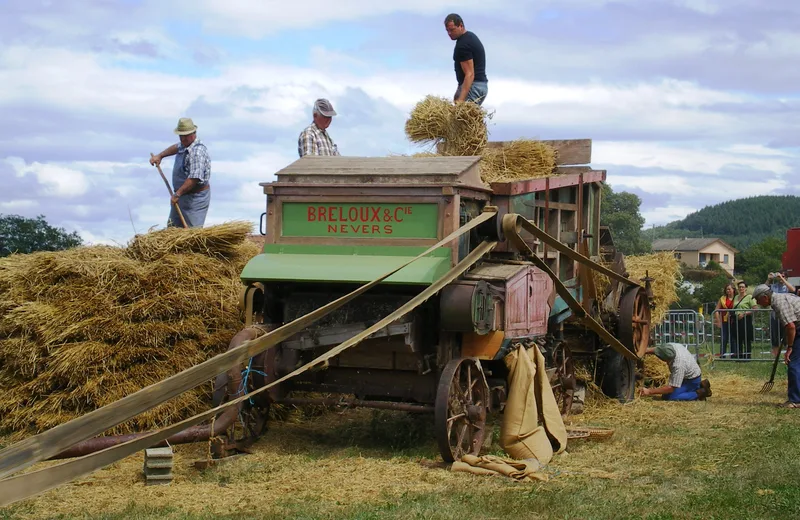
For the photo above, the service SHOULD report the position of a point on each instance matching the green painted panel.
(357, 220)
(358, 264)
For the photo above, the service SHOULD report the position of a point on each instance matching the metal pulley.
(467, 306)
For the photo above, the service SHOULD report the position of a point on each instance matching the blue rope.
(245, 376)
(243, 387)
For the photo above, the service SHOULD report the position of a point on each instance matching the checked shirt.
(315, 141)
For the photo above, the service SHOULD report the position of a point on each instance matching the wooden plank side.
(322, 165)
(568, 151)
(541, 184)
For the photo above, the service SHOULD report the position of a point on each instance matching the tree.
(620, 212)
(25, 235)
(761, 258)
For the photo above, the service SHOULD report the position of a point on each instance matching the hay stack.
(665, 270)
(84, 327)
(517, 160)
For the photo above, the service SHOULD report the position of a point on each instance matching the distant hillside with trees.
(740, 222)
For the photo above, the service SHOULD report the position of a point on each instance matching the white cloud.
(55, 179)
(258, 18)
(666, 214)
(684, 158)
(18, 205)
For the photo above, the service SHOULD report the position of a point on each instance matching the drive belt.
(512, 224)
(51, 442)
(29, 484)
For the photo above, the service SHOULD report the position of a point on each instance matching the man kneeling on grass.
(684, 382)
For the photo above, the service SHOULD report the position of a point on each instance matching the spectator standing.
(744, 304)
(723, 320)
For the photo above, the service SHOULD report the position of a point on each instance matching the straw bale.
(87, 326)
(450, 128)
(517, 160)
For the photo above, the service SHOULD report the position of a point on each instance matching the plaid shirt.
(315, 141)
(786, 307)
(682, 367)
(196, 163)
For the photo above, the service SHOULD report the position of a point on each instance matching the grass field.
(733, 456)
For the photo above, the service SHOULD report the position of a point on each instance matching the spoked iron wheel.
(563, 379)
(634, 320)
(461, 405)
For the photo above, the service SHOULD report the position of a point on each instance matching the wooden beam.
(568, 151)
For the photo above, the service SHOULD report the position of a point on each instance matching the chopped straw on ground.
(84, 327)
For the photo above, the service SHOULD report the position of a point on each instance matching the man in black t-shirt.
(469, 60)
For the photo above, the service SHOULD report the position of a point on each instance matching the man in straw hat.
(191, 174)
(787, 309)
(684, 382)
(469, 60)
(314, 140)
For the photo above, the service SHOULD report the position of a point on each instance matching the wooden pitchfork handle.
(170, 192)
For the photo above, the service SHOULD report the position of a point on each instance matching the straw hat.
(185, 126)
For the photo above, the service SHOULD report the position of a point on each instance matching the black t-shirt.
(469, 47)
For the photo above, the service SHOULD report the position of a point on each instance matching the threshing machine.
(523, 276)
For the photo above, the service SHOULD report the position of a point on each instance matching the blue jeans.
(477, 92)
(686, 392)
(793, 371)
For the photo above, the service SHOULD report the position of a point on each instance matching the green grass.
(733, 457)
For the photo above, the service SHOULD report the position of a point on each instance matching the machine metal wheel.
(563, 379)
(616, 376)
(462, 400)
(634, 320)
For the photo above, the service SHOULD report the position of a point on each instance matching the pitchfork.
(769, 384)
(180, 214)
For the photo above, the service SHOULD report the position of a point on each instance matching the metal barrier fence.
(744, 335)
(727, 334)
(684, 326)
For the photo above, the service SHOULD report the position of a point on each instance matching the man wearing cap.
(684, 382)
(191, 174)
(469, 59)
(314, 140)
(787, 309)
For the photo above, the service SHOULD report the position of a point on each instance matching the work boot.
(701, 394)
(705, 385)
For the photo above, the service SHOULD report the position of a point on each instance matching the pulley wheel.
(462, 400)
(634, 320)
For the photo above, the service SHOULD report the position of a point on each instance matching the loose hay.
(84, 327)
(665, 270)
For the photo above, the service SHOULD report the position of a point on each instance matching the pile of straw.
(461, 129)
(665, 270)
(450, 128)
(662, 267)
(517, 160)
(84, 327)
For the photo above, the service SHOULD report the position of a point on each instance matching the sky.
(688, 102)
